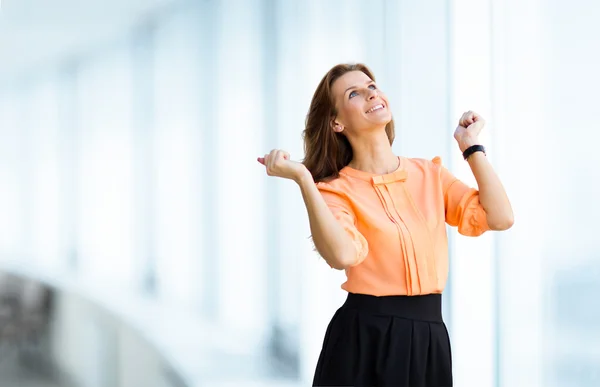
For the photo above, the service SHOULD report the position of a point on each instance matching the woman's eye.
(353, 94)
(373, 87)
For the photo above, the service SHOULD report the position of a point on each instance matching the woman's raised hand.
(278, 164)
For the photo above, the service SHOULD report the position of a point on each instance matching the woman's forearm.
(492, 195)
(332, 242)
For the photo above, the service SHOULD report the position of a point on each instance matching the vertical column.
(300, 300)
(498, 83)
(208, 173)
(26, 171)
(44, 154)
(10, 195)
(69, 146)
(183, 93)
(567, 145)
(276, 259)
(106, 195)
(472, 261)
(144, 188)
(239, 104)
(520, 120)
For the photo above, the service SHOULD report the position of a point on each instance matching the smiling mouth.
(375, 108)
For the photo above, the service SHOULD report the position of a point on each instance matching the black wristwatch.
(472, 149)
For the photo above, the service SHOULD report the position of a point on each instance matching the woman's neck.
(374, 154)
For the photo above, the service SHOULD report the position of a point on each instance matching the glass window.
(43, 147)
(105, 171)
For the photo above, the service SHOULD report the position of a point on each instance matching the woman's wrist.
(466, 143)
(303, 176)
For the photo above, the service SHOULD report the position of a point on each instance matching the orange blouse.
(397, 222)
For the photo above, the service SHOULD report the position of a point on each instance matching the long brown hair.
(326, 151)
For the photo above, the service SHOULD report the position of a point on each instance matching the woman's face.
(361, 106)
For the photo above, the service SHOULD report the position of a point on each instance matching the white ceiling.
(35, 33)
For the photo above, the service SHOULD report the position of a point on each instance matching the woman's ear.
(336, 126)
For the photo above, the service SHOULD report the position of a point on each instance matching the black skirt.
(391, 341)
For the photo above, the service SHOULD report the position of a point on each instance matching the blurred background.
(142, 245)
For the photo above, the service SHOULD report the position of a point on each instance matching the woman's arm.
(492, 195)
(331, 240)
(334, 242)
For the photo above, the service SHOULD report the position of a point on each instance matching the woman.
(381, 218)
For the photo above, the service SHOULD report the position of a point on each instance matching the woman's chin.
(383, 120)
(379, 118)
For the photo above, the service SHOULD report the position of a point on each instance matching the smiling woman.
(382, 219)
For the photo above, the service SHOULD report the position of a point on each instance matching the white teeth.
(376, 107)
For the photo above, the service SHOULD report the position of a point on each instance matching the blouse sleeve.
(340, 207)
(462, 205)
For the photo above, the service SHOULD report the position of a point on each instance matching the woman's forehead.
(350, 79)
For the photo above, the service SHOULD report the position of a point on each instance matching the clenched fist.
(278, 164)
(467, 132)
